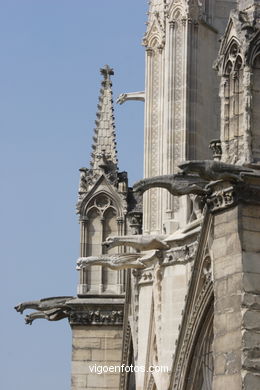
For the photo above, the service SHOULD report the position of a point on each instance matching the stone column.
(153, 146)
(83, 283)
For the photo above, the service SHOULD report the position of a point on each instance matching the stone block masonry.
(94, 346)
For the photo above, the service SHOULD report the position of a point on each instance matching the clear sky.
(51, 52)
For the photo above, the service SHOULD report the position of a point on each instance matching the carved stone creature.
(44, 304)
(50, 315)
(119, 261)
(83, 184)
(212, 170)
(177, 184)
(139, 242)
(123, 97)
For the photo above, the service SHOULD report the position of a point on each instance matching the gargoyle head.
(28, 320)
(20, 308)
(79, 264)
(110, 242)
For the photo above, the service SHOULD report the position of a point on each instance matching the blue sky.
(51, 52)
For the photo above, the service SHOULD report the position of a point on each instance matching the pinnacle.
(104, 156)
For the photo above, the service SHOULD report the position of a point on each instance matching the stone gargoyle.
(50, 315)
(139, 242)
(123, 97)
(120, 261)
(52, 309)
(213, 170)
(177, 184)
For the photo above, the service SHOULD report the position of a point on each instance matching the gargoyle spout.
(177, 184)
(212, 170)
(51, 309)
(139, 242)
(119, 261)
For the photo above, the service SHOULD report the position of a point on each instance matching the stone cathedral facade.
(169, 270)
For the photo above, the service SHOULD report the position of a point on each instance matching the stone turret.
(104, 156)
(102, 204)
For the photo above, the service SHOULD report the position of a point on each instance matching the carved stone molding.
(146, 277)
(224, 194)
(222, 199)
(125, 355)
(96, 316)
(180, 255)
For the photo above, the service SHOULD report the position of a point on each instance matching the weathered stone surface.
(232, 382)
(79, 381)
(103, 381)
(108, 343)
(86, 342)
(231, 341)
(251, 283)
(107, 355)
(81, 353)
(93, 331)
(251, 320)
(251, 381)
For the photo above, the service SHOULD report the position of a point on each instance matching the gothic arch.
(193, 368)
(154, 42)
(253, 50)
(232, 72)
(102, 213)
(230, 54)
(176, 13)
(109, 200)
(200, 374)
(196, 321)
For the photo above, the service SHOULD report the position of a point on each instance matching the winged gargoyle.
(139, 242)
(177, 184)
(119, 261)
(52, 309)
(213, 170)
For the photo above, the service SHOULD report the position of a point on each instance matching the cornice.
(98, 312)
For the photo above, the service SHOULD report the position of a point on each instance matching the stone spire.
(104, 155)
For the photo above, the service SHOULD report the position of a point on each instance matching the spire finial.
(104, 156)
(106, 71)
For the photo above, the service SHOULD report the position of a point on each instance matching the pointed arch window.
(101, 220)
(233, 101)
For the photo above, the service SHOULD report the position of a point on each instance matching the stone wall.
(236, 273)
(95, 346)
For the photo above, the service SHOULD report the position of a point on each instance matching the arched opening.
(200, 373)
(94, 234)
(110, 228)
(233, 103)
